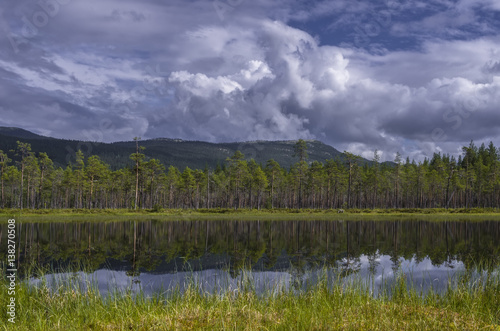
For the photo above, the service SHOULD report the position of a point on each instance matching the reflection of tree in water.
(155, 245)
(374, 256)
(348, 265)
(238, 261)
(448, 263)
(271, 253)
(134, 269)
(395, 258)
(373, 263)
(417, 237)
(296, 278)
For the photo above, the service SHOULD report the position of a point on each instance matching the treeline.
(472, 180)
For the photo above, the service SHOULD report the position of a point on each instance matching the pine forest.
(31, 181)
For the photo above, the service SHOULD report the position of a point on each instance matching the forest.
(31, 181)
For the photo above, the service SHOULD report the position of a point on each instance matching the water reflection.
(162, 254)
(421, 275)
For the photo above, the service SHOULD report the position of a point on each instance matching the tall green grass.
(101, 215)
(470, 303)
(222, 211)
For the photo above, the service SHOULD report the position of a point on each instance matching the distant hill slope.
(20, 133)
(179, 153)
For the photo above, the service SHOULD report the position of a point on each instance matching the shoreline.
(436, 214)
(323, 306)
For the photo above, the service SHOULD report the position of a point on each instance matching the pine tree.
(301, 150)
(4, 163)
(46, 166)
(79, 176)
(138, 159)
(239, 170)
(23, 151)
(172, 181)
(188, 185)
(153, 169)
(301, 166)
(272, 169)
(397, 160)
(376, 162)
(95, 170)
(351, 160)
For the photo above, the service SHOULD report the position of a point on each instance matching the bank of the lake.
(465, 307)
(301, 274)
(437, 214)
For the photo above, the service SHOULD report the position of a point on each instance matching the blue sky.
(410, 76)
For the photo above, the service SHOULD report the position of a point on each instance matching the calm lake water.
(270, 255)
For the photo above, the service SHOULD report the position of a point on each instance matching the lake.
(155, 255)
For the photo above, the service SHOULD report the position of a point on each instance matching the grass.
(247, 214)
(326, 305)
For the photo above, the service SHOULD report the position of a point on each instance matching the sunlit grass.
(470, 304)
(75, 215)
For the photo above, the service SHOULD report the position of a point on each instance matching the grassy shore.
(467, 306)
(247, 214)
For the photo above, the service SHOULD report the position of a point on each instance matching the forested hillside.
(170, 152)
(33, 181)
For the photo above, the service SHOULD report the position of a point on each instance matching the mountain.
(20, 133)
(179, 153)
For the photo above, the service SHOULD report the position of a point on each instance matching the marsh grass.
(101, 215)
(470, 303)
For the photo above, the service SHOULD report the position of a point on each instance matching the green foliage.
(442, 182)
(327, 305)
(301, 150)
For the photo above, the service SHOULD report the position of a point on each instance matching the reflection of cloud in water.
(421, 275)
(379, 272)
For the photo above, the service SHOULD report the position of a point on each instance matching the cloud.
(271, 96)
(177, 70)
(360, 104)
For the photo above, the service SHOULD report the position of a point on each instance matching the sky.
(415, 77)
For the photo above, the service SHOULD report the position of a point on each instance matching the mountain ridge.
(20, 133)
(170, 151)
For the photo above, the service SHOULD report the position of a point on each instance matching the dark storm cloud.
(223, 71)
